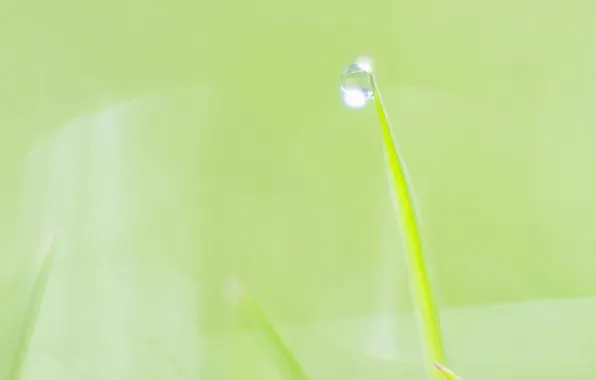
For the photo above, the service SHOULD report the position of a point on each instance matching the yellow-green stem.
(46, 251)
(406, 215)
(289, 363)
(449, 374)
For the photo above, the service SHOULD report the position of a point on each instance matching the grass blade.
(406, 215)
(46, 251)
(291, 365)
(449, 374)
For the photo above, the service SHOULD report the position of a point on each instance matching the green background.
(171, 146)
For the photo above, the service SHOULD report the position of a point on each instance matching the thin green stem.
(289, 363)
(406, 215)
(293, 367)
(46, 251)
(449, 374)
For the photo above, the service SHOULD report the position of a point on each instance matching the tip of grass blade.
(238, 294)
(449, 374)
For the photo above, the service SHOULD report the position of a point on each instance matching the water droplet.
(356, 89)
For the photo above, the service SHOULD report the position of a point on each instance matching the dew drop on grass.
(356, 89)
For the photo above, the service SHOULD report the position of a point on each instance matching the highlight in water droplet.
(356, 89)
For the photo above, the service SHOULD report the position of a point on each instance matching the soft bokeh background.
(170, 146)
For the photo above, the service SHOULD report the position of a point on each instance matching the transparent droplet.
(356, 89)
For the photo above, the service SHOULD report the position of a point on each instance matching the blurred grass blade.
(294, 369)
(449, 374)
(406, 215)
(46, 252)
(289, 363)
